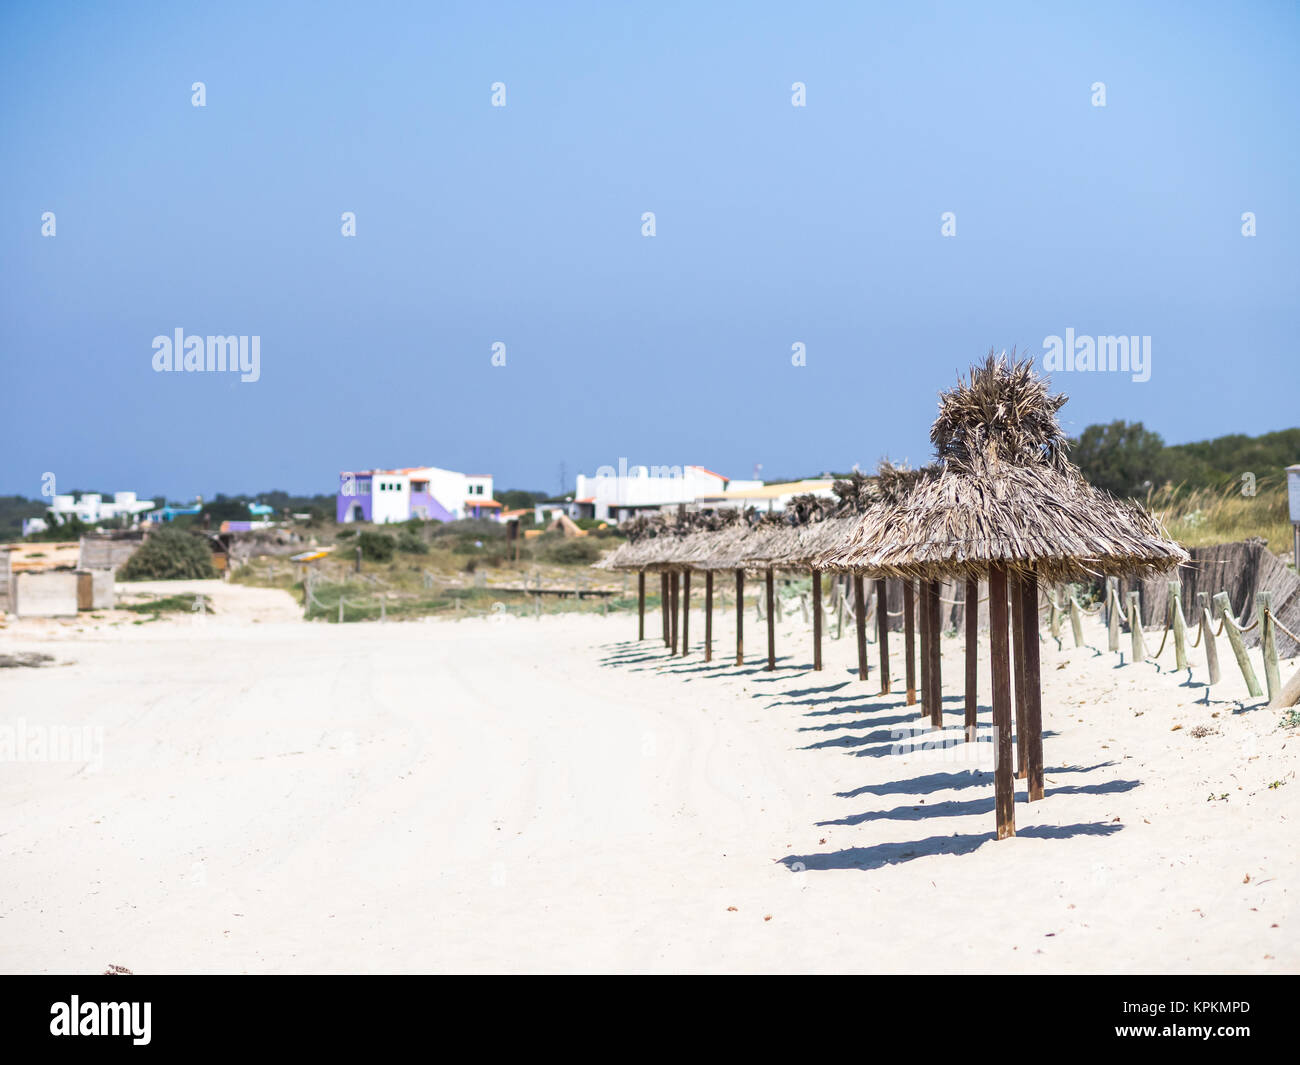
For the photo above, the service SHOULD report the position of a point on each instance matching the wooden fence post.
(1207, 635)
(1135, 627)
(1112, 613)
(1268, 642)
(1076, 621)
(1238, 644)
(1180, 625)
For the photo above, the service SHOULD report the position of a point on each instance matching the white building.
(770, 497)
(424, 492)
(91, 508)
(616, 495)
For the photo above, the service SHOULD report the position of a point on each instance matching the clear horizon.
(779, 230)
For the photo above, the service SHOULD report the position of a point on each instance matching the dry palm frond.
(1005, 493)
(1002, 413)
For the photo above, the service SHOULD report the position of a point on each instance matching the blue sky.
(522, 225)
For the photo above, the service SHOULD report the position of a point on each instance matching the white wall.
(390, 497)
(647, 486)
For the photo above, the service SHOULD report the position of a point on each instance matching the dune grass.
(1199, 517)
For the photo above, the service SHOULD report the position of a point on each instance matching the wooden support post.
(936, 651)
(1018, 621)
(972, 656)
(1055, 624)
(740, 617)
(640, 605)
(923, 627)
(771, 621)
(839, 609)
(1135, 626)
(1000, 668)
(882, 632)
(817, 618)
(860, 610)
(1112, 613)
(909, 637)
(1033, 681)
(674, 596)
(664, 603)
(1207, 636)
(686, 612)
(1268, 642)
(1238, 645)
(1076, 620)
(708, 615)
(1180, 624)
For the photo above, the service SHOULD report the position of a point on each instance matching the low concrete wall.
(104, 590)
(45, 595)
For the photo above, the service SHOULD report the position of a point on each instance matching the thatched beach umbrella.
(1007, 505)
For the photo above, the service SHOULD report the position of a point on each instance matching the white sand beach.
(520, 795)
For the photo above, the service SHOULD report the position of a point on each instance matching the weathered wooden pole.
(1238, 644)
(909, 637)
(1207, 636)
(936, 649)
(1033, 735)
(708, 615)
(1268, 642)
(1135, 626)
(860, 609)
(640, 605)
(1076, 621)
(1180, 625)
(1000, 669)
(771, 621)
(882, 632)
(1015, 584)
(1112, 613)
(740, 617)
(972, 656)
(817, 618)
(686, 612)
(923, 625)
(665, 601)
(675, 594)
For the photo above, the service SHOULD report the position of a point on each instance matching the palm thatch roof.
(1006, 493)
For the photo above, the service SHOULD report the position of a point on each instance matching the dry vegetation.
(1203, 516)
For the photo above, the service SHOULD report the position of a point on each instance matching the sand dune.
(550, 795)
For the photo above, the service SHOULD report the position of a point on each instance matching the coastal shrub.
(410, 542)
(377, 546)
(170, 555)
(571, 552)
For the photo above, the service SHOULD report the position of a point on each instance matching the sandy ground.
(265, 795)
